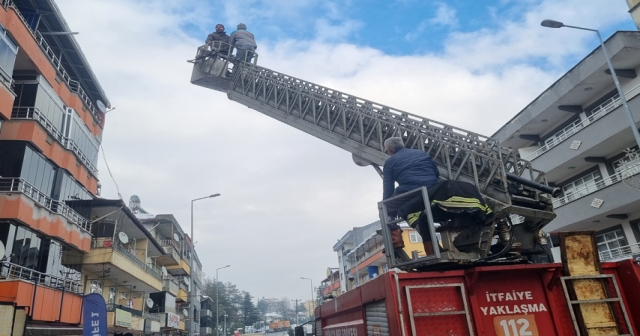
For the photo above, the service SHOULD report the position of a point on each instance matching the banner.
(94, 315)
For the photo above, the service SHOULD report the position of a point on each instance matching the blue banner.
(95, 315)
(373, 271)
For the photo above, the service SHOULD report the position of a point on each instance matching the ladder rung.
(596, 301)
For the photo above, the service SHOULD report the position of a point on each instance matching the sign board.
(123, 318)
(173, 320)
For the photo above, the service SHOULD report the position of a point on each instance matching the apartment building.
(51, 122)
(577, 132)
(177, 263)
(330, 287)
(360, 256)
(207, 322)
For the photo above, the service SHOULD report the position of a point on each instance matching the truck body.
(513, 300)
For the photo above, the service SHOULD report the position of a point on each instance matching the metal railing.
(74, 86)
(632, 168)
(33, 113)
(13, 271)
(125, 253)
(9, 185)
(111, 307)
(596, 113)
(622, 252)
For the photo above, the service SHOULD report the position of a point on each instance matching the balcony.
(13, 271)
(631, 168)
(206, 312)
(33, 113)
(124, 260)
(170, 284)
(174, 256)
(206, 330)
(620, 253)
(17, 185)
(596, 113)
(126, 318)
(73, 85)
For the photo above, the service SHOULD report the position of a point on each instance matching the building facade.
(360, 255)
(578, 133)
(50, 134)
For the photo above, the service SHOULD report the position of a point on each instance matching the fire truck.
(504, 283)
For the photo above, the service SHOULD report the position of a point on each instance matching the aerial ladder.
(517, 193)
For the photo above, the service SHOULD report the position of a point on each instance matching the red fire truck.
(579, 296)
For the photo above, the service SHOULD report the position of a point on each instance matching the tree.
(249, 310)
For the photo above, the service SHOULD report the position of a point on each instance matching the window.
(610, 244)
(8, 52)
(96, 286)
(582, 186)
(415, 237)
(112, 295)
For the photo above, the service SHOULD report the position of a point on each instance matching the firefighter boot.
(396, 238)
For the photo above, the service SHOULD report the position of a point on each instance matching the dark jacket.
(222, 37)
(411, 168)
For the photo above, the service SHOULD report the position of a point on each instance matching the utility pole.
(296, 300)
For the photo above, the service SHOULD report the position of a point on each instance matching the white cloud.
(286, 196)
(445, 16)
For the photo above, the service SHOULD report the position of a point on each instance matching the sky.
(288, 197)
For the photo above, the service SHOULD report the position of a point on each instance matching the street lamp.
(312, 312)
(557, 24)
(224, 330)
(217, 304)
(192, 310)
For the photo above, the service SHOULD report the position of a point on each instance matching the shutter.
(376, 317)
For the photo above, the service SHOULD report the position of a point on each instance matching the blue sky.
(287, 196)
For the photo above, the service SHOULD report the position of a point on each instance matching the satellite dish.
(164, 271)
(123, 237)
(185, 312)
(101, 106)
(149, 302)
(176, 237)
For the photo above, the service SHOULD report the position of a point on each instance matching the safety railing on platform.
(622, 252)
(596, 113)
(56, 62)
(13, 271)
(9, 185)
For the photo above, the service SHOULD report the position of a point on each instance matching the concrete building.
(634, 6)
(577, 132)
(51, 127)
(360, 256)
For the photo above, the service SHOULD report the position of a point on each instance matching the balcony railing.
(170, 284)
(13, 271)
(125, 253)
(73, 85)
(17, 185)
(111, 307)
(631, 168)
(596, 113)
(33, 113)
(622, 252)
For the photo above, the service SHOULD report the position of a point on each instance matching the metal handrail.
(111, 307)
(12, 271)
(125, 253)
(33, 113)
(632, 168)
(58, 207)
(622, 252)
(596, 113)
(74, 86)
